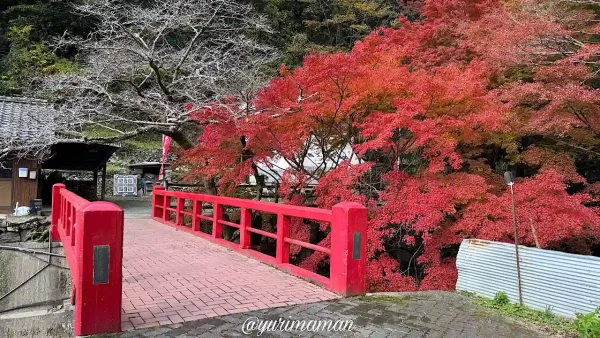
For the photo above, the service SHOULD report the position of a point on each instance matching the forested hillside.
(28, 28)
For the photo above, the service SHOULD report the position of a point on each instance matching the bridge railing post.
(196, 210)
(282, 251)
(245, 223)
(98, 288)
(157, 201)
(56, 211)
(349, 249)
(179, 206)
(217, 231)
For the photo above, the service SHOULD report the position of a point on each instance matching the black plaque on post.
(101, 264)
(356, 245)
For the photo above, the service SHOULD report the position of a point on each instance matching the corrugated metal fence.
(565, 283)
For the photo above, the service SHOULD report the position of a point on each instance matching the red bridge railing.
(348, 233)
(92, 238)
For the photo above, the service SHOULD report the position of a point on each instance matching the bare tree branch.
(144, 66)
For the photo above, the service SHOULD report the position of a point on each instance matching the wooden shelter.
(23, 120)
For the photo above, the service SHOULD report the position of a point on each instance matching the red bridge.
(138, 272)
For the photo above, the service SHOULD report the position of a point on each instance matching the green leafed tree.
(27, 58)
(305, 26)
(26, 26)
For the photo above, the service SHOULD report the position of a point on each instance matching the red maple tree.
(434, 111)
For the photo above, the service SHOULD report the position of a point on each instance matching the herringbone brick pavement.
(170, 277)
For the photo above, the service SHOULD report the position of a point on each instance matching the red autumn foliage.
(434, 111)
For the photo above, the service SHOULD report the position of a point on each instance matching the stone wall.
(85, 189)
(15, 229)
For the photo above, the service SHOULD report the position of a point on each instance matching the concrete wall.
(38, 323)
(37, 308)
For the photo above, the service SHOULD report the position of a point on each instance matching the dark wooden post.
(95, 184)
(103, 189)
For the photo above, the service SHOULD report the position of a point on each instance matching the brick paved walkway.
(170, 277)
(427, 314)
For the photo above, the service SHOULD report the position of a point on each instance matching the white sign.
(125, 185)
(23, 172)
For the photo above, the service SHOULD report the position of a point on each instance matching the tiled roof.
(24, 120)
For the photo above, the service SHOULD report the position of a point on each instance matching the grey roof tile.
(24, 120)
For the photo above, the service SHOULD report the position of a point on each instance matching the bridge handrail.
(92, 237)
(348, 233)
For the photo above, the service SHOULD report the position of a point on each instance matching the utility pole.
(509, 179)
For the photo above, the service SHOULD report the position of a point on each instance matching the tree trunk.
(211, 186)
(276, 192)
(181, 139)
(260, 182)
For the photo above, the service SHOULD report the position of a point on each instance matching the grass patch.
(588, 324)
(112, 168)
(99, 131)
(542, 320)
(144, 144)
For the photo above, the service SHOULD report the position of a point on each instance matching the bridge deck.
(170, 276)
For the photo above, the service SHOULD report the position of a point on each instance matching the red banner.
(166, 142)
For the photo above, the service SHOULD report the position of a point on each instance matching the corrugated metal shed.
(565, 283)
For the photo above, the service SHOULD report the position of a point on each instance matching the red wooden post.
(349, 249)
(68, 218)
(282, 252)
(74, 221)
(217, 216)
(99, 245)
(64, 219)
(166, 204)
(56, 210)
(179, 205)
(245, 222)
(157, 201)
(196, 210)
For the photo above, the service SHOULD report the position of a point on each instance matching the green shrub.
(501, 298)
(587, 325)
(546, 321)
(41, 236)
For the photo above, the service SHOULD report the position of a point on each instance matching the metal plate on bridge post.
(101, 264)
(356, 245)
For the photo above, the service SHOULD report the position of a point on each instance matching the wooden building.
(23, 121)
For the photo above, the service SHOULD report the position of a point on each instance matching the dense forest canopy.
(324, 26)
